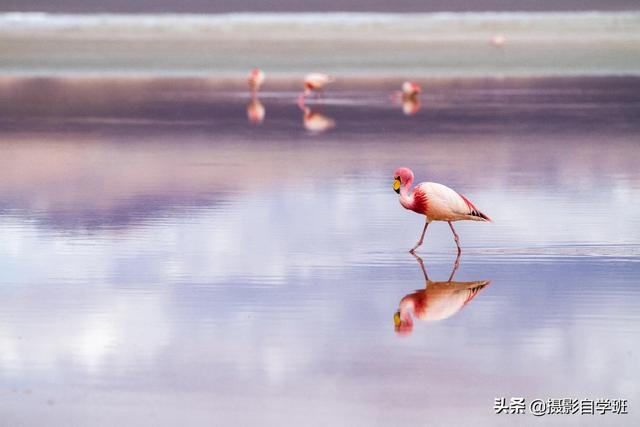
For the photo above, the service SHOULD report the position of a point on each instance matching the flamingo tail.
(480, 215)
(474, 212)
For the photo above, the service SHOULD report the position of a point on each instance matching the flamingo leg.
(421, 263)
(424, 230)
(456, 264)
(455, 237)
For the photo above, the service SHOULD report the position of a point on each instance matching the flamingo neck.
(405, 313)
(406, 195)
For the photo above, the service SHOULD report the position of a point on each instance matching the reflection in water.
(410, 105)
(438, 301)
(316, 122)
(255, 111)
(182, 290)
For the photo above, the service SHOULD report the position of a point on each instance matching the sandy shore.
(440, 44)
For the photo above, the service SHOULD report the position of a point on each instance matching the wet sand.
(166, 260)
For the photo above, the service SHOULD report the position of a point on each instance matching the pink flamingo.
(256, 79)
(498, 40)
(408, 97)
(315, 82)
(437, 301)
(436, 202)
(410, 89)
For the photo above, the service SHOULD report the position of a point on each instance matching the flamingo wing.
(318, 79)
(448, 205)
(444, 299)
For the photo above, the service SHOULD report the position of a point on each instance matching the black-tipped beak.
(396, 185)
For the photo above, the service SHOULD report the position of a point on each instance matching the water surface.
(164, 260)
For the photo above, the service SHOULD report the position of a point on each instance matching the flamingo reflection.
(438, 301)
(410, 106)
(314, 121)
(255, 111)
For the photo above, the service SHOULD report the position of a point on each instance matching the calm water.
(166, 261)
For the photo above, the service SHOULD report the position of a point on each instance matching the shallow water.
(166, 261)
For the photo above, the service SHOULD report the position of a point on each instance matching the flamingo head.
(402, 178)
(411, 89)
(403, 323)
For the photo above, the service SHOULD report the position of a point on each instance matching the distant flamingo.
(498, 40)
(437, 301)
(436, 202)
(410, 89)
(408, 97)
(315, 82)
(255, 111)
(256, 79)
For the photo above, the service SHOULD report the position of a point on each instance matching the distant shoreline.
(363, 44)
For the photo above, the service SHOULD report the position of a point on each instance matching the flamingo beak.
(396, 185)
(396, 319)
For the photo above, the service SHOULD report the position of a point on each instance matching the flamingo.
(408, 97)
(436, 202)
(256, 79)
(255, 111)
(315, 82)
(410, 89)
(498, 40)
(437, 301)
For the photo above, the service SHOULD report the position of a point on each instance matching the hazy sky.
(195, 6)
